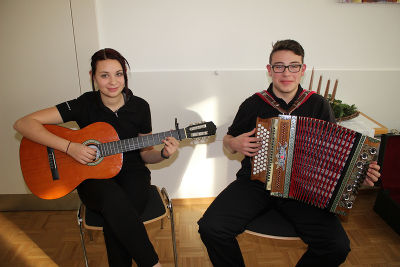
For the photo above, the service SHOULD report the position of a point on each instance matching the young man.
(244, 199)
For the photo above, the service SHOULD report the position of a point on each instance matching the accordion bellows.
(317, 162)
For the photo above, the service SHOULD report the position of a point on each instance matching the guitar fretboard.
(139, 142)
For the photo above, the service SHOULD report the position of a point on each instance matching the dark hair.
(109, 53)
(290, 45)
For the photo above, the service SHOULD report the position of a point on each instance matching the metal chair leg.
(171, 214)
(82, 236)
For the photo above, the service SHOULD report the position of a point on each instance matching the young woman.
(122, 198)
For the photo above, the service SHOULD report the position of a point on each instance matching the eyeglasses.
(281, 68)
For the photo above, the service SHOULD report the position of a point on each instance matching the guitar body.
(35, 162)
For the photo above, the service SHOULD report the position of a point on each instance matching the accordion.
(317, 162)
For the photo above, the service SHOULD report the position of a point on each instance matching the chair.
(155, 210)
(271, 224)
(387, 203)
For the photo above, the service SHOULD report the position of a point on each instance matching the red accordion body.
(313, 161)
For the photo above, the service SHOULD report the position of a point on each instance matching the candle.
(334, 90)
(319, 85)
(327, 89)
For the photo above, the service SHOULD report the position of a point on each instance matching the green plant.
(341, 109)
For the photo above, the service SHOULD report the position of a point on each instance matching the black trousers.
(121, 200)
(243, 200)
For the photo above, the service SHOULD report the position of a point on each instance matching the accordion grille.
(320, 153)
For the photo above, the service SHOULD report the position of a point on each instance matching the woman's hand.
(81, 153)
(170, 146)
(151, 155)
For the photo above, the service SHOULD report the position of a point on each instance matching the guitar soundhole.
(94, 144)
(97, 151)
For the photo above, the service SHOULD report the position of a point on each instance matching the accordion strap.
(268, 98)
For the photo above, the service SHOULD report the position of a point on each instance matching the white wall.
(39, 59)
(198, 60)
(225, 34)
(38, 69)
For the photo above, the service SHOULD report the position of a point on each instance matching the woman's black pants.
(121, 200)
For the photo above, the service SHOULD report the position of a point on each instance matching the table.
(365, 125)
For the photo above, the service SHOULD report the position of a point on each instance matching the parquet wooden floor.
(51, 238)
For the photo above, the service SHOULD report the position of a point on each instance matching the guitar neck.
(139, 142)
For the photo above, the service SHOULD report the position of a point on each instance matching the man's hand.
(244, 143)
(372, 174)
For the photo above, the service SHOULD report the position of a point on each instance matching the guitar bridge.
(53, 164)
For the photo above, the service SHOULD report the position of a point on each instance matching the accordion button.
(372, 151)
(349, 188)
(359, 164)
(349, 205)
(346, 197)
(364, 155)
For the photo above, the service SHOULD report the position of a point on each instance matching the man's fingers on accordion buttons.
(250, 154)
(373, 172)
(368, 182)
(253, 150)
(375, 167)
(255, 143)
(372, 181)
(254, 139)
(257, 147)
(373, 176)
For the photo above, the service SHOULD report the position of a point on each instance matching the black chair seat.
(154, 209)
(272, 224)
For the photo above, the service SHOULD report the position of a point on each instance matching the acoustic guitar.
(51, 174)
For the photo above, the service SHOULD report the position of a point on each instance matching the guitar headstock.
(201, 129)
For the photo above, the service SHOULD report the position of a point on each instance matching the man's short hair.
(290, 45)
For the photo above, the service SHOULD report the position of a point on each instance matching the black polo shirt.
(245, 120)
(130, 120)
